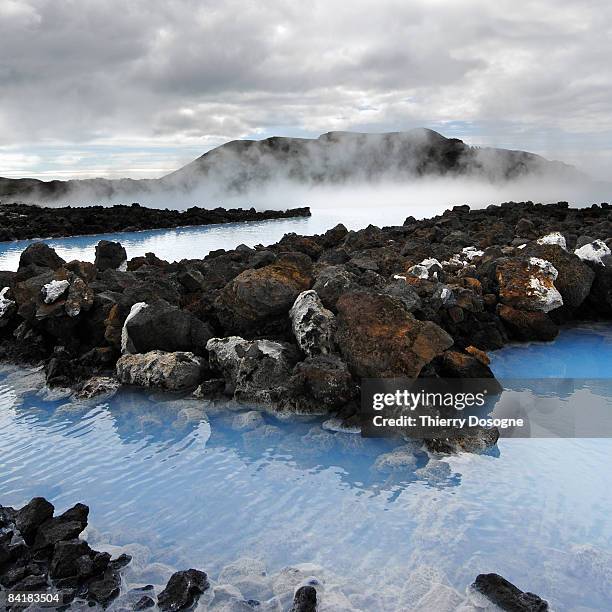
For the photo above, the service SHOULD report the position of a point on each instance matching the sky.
(139, 88)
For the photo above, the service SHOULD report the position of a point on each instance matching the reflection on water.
(202, 484)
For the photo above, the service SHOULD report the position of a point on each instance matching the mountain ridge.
(333, 158)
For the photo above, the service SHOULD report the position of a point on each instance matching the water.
(196, 242)
(174, 476)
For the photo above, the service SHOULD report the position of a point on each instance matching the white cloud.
(193, 74)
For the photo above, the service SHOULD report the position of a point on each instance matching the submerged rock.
(508, 597)
(171, 371)
(305, 599)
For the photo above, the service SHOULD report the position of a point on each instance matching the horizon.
(109, 91)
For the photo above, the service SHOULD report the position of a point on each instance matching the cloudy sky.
(115, 88)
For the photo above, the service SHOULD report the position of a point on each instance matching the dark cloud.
(187, 73)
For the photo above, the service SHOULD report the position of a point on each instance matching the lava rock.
(313, 325)
(171, 371)
(109, 255)
(378, 338)
(527, 325)
(162, 326)
(41, 255)
(36, 512)
(507, 596)
(305, 599)
(183, 590)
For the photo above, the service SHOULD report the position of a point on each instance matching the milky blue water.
(196, 242)
(175, 475)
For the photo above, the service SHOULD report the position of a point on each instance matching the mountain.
(334, 158)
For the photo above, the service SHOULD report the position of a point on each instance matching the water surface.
(177, 477)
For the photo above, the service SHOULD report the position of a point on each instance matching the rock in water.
(109, 255)
(257, 370)
(528, 284)
(172, 371)
(305, 599)
(31, 516)
(527, 325)
(379, 338)
(183, 590)
(507, 596)
(313, 325)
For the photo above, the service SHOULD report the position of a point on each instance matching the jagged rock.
(527, 325)
(332, 282)
(109, 255)
(469, 440)
(162, 326)
(99, 386)
(305, 599)
(399, 288)
(378, 338)
(507, 596)
(313, 325)
(257, 370)
(327, 379)
(453, 364)
(80, 297)
(260, 299)
(41, 255)
(524, 227)
(595, 252)
(528, 284)
(171, 371)
(429, 268)
(54, 290)
(553, 238)
(574, 278)
(183, 590)
(104, 589)
(36, 512)
(66, 526)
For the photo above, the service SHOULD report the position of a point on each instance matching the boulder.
(109, 255)
(259, 299)
(556, 238)
(524, 227)
(428, 269)
(66, 526)
(98, 386)
(162, 326)
(41, 255)
(183, 590)
(525, 325)
(331, 282)
(378, 338)
(399, 288)
(313, 325)
(257, 370)
(507, 596)
(305, 599)
(574, 278)
(327, 379)
(37, 511)
(454, 364)
(595, 252)
(528, 284)
(171, 371)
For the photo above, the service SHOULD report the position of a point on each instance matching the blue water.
(173, 477)
(196, 242)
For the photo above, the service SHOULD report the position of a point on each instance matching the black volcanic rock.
(183, 590)
(20, 221)
(109, 255)
(507, 596)
(305, 599)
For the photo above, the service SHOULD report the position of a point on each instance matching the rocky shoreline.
(26, 221)
(43, 553)
(296, 325)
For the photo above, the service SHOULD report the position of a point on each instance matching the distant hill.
(333, 158)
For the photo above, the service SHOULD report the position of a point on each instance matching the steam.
(419, 173)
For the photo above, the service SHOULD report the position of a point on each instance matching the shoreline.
(17, 217)
(296, 325)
